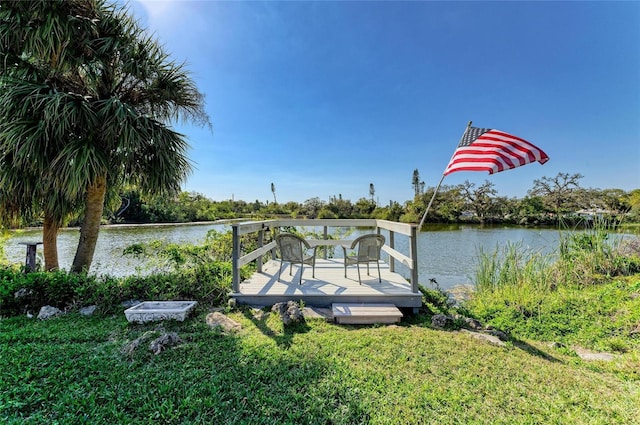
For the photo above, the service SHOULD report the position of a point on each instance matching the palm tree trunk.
(90, 225)
(50, 243)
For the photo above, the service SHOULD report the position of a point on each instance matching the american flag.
(485, 149)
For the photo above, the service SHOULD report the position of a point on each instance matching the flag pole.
(435, 192)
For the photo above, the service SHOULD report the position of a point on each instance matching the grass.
(587, 295)
(72, 370)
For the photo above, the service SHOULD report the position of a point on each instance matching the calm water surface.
(446, 254)
(108, 258)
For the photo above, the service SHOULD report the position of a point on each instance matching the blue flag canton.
(471, 135)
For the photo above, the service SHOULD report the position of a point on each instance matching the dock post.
(261, 233)
(413, 241)
(235, 255)
(30, 260)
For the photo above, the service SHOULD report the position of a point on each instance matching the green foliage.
(593, 255)
(59, 289)
(209, 283)
(435, 300)
(573, 300)
(600, 317)
(514, 271)
(166, 257)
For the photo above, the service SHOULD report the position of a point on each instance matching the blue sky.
(324, 98)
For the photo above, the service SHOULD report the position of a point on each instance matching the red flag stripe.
(483, 150)
(521, 143)
(522, 146)
(476, 164)
(480, 156)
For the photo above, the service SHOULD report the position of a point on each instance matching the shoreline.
(131, 225)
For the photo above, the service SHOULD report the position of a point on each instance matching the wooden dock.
(328, 287)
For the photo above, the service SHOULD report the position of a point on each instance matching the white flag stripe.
(478, 159)
(513, 156)
(522, 144)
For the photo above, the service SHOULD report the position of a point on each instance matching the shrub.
(208, 283)
(59, 289)
(435, 300)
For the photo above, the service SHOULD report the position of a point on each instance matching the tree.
(418, 186)
(614, 200)
(98, 95)
(342, 208)
(312, 207)
(480, 199)
(363, 208)
(273, 190)
(38, 72)
(634, 202)
(557, 193)
(372, 191)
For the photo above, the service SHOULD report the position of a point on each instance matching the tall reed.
(514, 271)
(595, 254)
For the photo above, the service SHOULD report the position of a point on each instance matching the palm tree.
(108, 106)
(415, 182)
(273, 190)
(31, 86)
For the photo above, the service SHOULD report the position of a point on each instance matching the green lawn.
(72, 370)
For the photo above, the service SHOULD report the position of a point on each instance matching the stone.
(317, 313)
(497, 333)
(219, 320)
(289, 312)
(461, 293)
(471, 323)
(163, 342)
(129, 348)
(23, 292)
(486, 337)
(130, 303)
(592, 355)
(89, 310)
(48, 312)
(441, 321)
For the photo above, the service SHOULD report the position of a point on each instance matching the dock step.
(363, 314)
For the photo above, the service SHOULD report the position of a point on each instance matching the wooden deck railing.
(260, 227)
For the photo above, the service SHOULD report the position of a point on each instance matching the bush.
(435, 300)
(209, 284)
(21, 292)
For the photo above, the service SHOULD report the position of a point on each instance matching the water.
(450, 256)
(108, 258)
(446, 254)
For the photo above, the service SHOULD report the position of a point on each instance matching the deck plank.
(328, 286)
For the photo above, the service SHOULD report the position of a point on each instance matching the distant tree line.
(547, 201)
